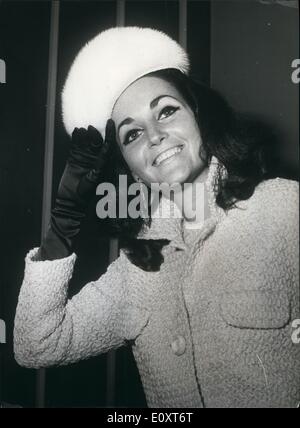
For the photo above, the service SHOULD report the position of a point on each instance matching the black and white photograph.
(149, 206)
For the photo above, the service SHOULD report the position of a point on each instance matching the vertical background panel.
(24, 35)
(253, 46)
(162, 15)
(198, 46)
(82, 384)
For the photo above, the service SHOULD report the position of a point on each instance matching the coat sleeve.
(52, 330)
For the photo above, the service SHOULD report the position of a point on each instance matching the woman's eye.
(167, 111)
(131, 136)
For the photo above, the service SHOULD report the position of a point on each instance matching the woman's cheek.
(183, 125)
(135, 158)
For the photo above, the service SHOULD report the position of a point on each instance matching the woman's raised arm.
(52, 330)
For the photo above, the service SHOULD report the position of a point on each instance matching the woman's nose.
(156, 135)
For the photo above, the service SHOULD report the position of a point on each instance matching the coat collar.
(172, 228)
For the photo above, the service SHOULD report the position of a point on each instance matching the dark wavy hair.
(241, 145)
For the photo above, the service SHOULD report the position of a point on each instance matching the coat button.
(179, 346)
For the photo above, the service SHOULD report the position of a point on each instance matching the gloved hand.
(83, 171)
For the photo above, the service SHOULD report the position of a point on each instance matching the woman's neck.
(193, 200)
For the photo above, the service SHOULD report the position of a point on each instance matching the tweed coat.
(213, 328)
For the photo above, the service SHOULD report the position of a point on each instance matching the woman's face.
(157, 133)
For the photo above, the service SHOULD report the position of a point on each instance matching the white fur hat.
(107, 65)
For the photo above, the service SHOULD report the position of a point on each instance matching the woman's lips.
(167, 155)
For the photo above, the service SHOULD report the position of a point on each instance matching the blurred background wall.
(253, 46)
(242, 48)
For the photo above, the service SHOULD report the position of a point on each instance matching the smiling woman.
(161, 140)
(206, 311)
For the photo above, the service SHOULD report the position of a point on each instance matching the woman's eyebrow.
(126, 121)
(156, 100)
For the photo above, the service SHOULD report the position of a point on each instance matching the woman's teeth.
(167, 155)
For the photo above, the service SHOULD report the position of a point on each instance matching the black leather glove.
(83, 172)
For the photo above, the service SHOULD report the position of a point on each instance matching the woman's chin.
(175, 176)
